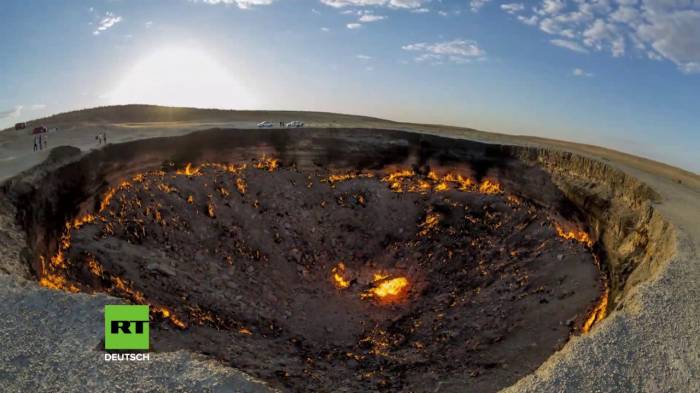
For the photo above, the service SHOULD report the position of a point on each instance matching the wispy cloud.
(656, 29)
(242, 4)
(405, 4)
(107, 22)
(570, 45)
(455, 51)
(363, 57)
(367, 18)
(476, 5)
(353, 26)
(512, 8)
(14, 112)
(581, 73)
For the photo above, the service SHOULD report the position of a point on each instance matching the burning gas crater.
(393, 279)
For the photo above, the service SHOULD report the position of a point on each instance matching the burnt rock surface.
(245, 274)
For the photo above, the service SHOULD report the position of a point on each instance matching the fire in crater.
(438, 269)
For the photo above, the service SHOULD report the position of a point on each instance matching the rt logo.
(126, 327)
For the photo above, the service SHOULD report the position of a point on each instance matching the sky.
(623, 74)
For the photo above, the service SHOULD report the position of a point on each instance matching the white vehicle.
(295, 124)
(265, 124)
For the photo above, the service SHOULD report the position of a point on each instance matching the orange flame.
(241, 185)
(579, 236)
(490, 187)
(245, 331)
(270, 164)
(188, 171)
(106, 199)
(598, 313)
(395, 179)
(388, 290)
(338, 276)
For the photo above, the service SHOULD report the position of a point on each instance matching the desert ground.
(650, 342)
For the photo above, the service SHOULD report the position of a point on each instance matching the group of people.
(41, 142)
(101, 138)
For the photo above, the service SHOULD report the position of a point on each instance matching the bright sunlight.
(181, 77)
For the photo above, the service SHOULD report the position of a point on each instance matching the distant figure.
(40, 145)
(36, 145)
(46, 141)
(104, 138)
(99, 139)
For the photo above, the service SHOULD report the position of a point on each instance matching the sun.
(182, 77)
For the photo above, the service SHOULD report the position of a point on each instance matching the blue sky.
(618, 73)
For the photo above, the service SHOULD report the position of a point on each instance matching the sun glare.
(182, 77)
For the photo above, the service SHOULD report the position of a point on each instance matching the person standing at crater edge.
(36, 146)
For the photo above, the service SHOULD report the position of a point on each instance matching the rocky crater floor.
(390, 280)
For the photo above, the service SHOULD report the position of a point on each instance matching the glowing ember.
(431, 221)
(241, 185)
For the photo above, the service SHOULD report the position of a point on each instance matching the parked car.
(40, 130)
(20, 126)
(264, 124)
(295, 124)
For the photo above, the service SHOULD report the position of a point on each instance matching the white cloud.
(455, 51)
(363, 57)
(404, 4)
(475, 5)
(420, 10)
(107, 22)
(325, 29)
(512, 8)
(581, 73)
(242, 4)
(552, 7)
(14, 112)
(353, 26)
(676, 37)
(149, 24)
(571, 45)
(531, 20)
(367, 18)
(654, 29)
